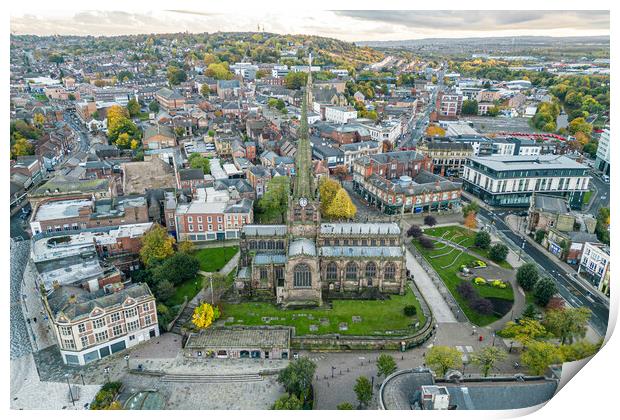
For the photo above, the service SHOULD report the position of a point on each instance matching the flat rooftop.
(62, 209)
(511, 163)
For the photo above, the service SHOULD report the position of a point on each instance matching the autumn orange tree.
(328, 188)
(341, 206)
(470, 220)
(121, 130)
(204, 315)
(434, 130)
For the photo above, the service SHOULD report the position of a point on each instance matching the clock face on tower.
(303, 202)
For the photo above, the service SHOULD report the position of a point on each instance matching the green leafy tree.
(219, 71)
(177, 268)
(197, 161)
(482, 240)
(602, 225)
(176, 75)
(164, 290)
(470, 107)
(157, 245)
(544, 290)
(579, 125)
(527, 276)
(540, 234)
(288, 402)
(273, 204)
(295, 80)
(154, 106)
(443, 358)
(297, 377)
(472, 207)
(498, 252)
(363, 391)
(487, 357)
(578, 350)
(539, 355)
(530, 311)
(133, 107)
(410, 310)
(386, 365)
(568, 324)
(525, 330)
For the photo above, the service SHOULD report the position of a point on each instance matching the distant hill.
(229, 46)
(520, 41)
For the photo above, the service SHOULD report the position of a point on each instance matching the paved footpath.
(438, 305)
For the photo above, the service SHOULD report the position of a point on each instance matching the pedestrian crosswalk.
(316, 358)
(465, 352)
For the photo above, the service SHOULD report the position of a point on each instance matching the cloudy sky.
(381, 25)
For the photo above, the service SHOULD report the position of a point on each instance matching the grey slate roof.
(266, 259)
(189, 174)
(360, 229)
(264, 230)
(239, 338)
(243, 206)
(153, 130)
(301, 247)
(60, 299)
(168, 93)
(550, 204)
(361, 251)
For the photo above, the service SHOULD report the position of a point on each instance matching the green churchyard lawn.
(447, 261)
(465, 237)
(213, 259)
(345, 317)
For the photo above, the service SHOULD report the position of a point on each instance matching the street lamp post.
(70, 391)
(211, 284)
(83, 381)
(333, 368)
(127, 360)
(521, 249)
(106, 370)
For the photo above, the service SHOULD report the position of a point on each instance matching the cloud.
(345, 25)
(476, 20)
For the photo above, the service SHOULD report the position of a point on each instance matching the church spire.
(303, 158)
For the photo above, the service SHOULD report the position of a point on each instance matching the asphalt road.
(570, 289)
(602, 197)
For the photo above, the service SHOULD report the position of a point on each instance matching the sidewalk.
(32, 306)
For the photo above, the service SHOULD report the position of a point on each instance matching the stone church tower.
(302, 275)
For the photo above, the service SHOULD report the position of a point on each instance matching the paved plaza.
(329, 392)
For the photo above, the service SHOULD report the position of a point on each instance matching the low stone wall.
(171, 323)
(340, 342)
